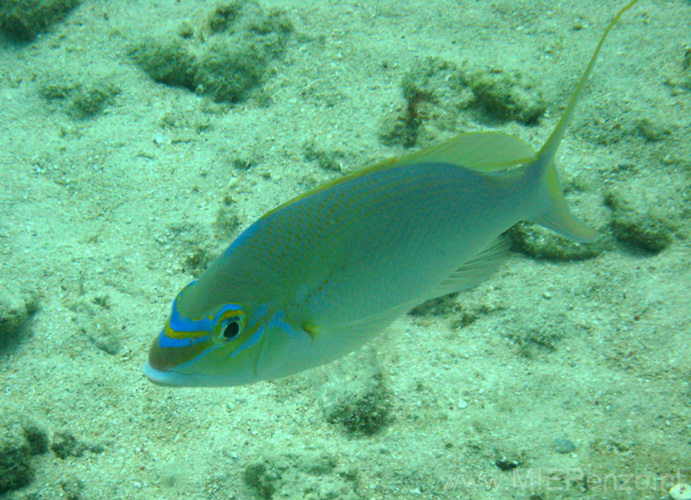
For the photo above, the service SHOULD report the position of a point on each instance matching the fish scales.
(396, 234)
(322, 274)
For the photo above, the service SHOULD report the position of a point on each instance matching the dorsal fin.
(479, 151)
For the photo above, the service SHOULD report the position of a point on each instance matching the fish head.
(222, 347)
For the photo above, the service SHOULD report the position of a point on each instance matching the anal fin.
(476, 270)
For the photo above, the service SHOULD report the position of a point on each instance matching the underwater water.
(138, 139)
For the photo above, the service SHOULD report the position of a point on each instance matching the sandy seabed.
(554, 379)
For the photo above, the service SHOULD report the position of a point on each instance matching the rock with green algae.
(332, 159)
(640, 222)
(228, 57)
(167, 58)
(16, 311)
(95, 320)
(436, 91)
(24, 20)
(21, 437)
(680, 80)
(457, 315)
(445, 305)
(541, 243)
(360, 405)
(313, 475)
(82, 94)
(509, 95)
(72, 488)
(243, 43)
(66, 445)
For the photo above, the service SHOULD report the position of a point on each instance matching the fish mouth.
(170, 378)
(158, 377)
(159, 368)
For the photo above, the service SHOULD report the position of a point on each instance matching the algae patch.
(437, 91)
(167, 59)
(638, 222)
(296, 476)
(508, 95)
(360, 406)
(434, 93)
(65, 445)
(331, 160)
(227, 57)
(540, 243)
(21, 438)
(680, 80)
(24, 20)
(81, 95)
(96, 322)
(16, 311)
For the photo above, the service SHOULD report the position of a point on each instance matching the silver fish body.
(321, 274)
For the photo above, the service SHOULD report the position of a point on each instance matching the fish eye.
(230, 328)
(229, 324)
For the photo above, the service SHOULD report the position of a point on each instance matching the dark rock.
(640, 222)
(227, 60)
(362, 407)
(20, 438)
(24, 20)
(564, 446)
(509, 95)
(315, 475)
(541, 243)
(506, 463)
(16, 311)
(66, 445)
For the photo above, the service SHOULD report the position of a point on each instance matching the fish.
(322, 274)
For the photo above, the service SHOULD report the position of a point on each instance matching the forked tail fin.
(555, 214)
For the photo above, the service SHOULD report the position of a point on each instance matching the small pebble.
(506, 463)
(564, 446)
(681, 491)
